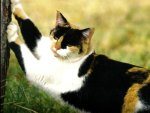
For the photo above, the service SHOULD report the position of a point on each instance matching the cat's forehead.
(67, 30)
(73, 33)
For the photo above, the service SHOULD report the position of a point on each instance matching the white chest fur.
(63, 77)
(56, 76)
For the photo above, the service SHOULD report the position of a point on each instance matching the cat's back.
(106, 85)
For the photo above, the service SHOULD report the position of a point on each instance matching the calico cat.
(66, 65)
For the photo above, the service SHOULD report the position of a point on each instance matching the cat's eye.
(56, 38)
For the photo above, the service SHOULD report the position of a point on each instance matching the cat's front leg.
(31, 34)
(23, 54)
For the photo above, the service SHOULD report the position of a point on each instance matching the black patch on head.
(17, 51)
(144, 94)
(59, 31)
(73, 38)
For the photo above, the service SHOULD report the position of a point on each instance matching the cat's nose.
(56, 47)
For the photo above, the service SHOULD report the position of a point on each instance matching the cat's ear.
(88, 33)
(61, 20)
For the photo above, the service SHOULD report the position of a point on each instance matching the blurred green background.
(122, 32)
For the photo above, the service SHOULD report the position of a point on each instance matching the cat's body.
(66, 66)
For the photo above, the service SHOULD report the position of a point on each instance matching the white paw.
(15, 4)
(12, 32)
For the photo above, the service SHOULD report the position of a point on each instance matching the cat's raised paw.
(12, 32)
(15, 4)
(15, 1)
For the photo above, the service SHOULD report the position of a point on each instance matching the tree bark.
(5, 19)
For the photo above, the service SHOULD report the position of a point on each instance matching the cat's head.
(68, 41)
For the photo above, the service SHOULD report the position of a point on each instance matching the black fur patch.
(30, 32)
(144, 94)
(104, 89)
(144, 111)
(72, 37)
(59, 31)
(87, 64)
(17, 51)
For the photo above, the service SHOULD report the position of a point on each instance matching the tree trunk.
(5, 19)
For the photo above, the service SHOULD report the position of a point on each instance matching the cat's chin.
(65, 58)
(56, 55)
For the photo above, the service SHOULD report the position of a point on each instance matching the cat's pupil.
(56, 38)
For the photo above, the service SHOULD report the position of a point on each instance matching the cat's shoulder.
(101, 58)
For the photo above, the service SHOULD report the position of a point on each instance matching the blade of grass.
(28, 109)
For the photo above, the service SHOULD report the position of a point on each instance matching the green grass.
(122, 33)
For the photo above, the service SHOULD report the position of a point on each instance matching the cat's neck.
(79, 59)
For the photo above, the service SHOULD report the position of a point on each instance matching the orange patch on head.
(57, 43)
(131, 98)
(73, 48)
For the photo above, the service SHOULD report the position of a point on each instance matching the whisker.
(68, 59)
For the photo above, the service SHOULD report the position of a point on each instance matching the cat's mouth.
(60, 55)
(55, 53)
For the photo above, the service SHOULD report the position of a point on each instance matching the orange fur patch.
(56, 43)
(147, 80)
(19, 12)
(18, 41)
(131, 99)
(137, 70)
(73, 48)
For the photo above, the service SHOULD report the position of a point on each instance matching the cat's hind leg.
(24, 56)
(30, 32)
